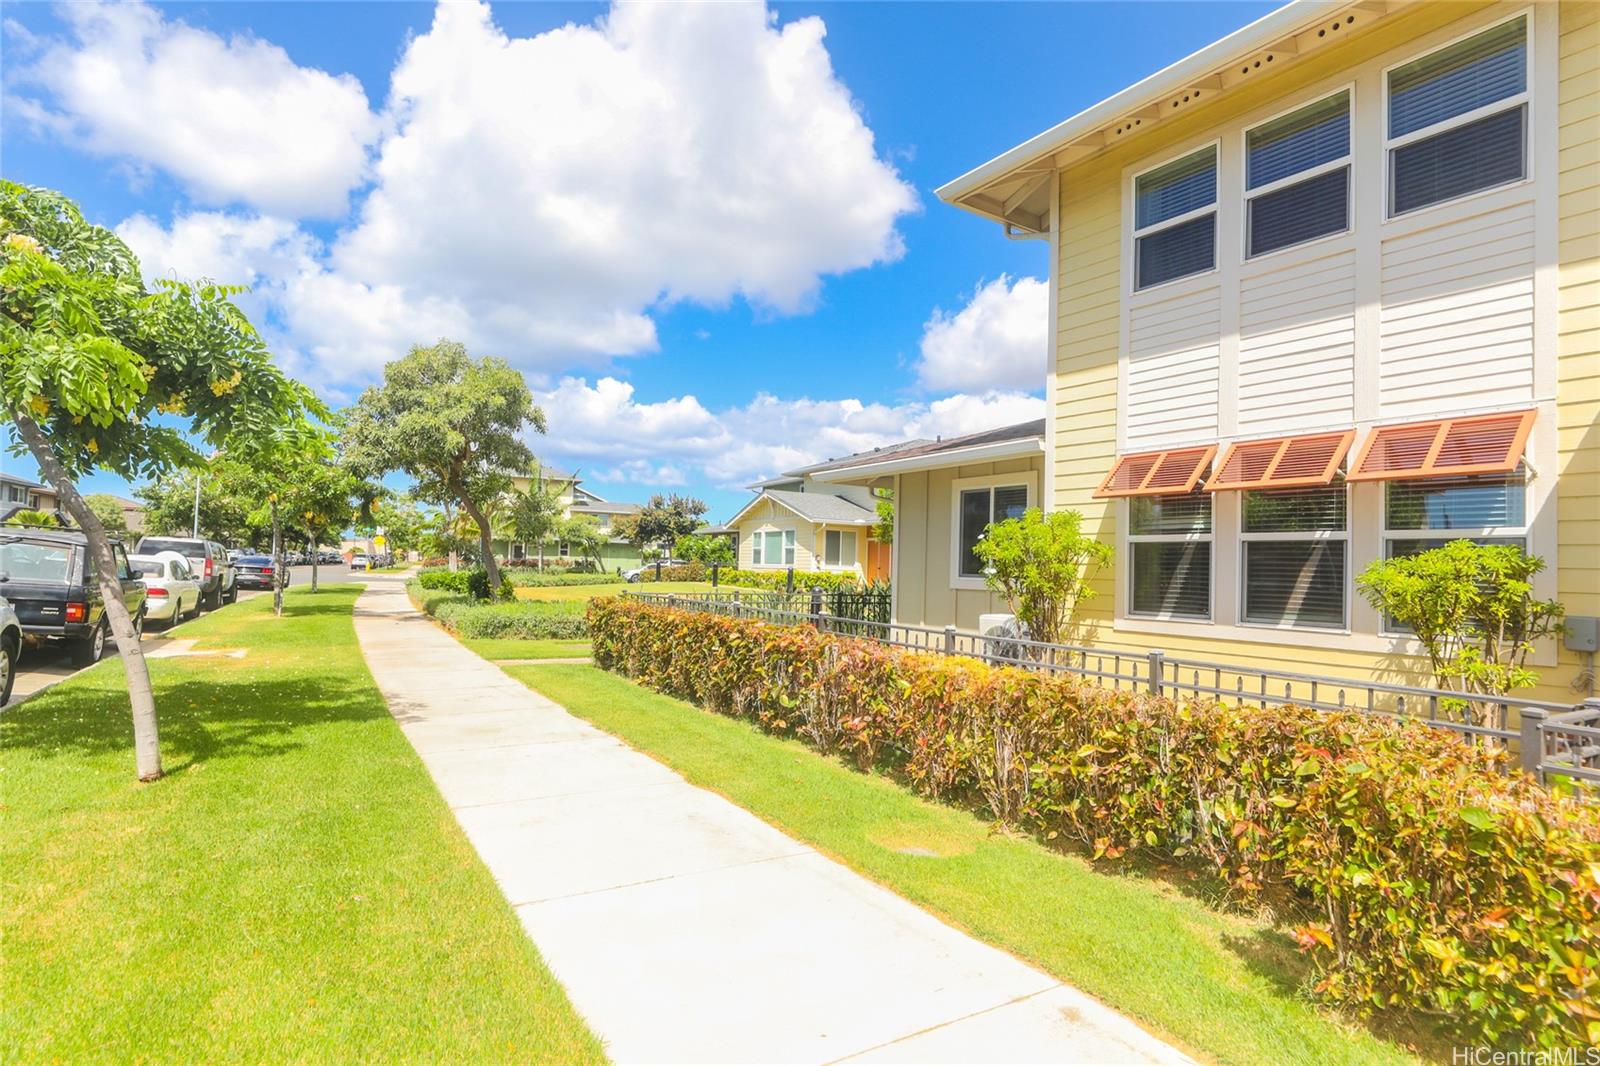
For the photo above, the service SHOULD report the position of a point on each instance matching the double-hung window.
(1458, 118)
(1485, 508)
(976, 510)
(772, 547)
(1175, 219)
(1169, 541)
(839, 548)
(1297, 176)
(1293, 544)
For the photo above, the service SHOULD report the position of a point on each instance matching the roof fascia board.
(1006, 449)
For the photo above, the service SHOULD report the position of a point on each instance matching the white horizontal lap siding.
(1457, 323)
(1297, 346)
(1173, 369)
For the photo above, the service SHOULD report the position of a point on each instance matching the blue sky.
(709, 239)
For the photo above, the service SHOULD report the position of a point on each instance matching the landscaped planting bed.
(1426, 876)
(521, 619)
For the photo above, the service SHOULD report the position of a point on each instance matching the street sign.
(380, 540)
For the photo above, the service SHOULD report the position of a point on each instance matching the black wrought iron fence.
(1557, 739)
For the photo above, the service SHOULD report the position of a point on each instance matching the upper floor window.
(1297, 176)
(1457, 118)
(1175, 219)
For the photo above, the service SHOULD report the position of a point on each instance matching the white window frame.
(838, 562)
(1523, 99)
(1244, 538)
(1027, 480)
(1248, 194)
(1209, 539)
(1523, 532)
(1213, 208)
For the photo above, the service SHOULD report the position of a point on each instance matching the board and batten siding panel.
(1456, 326)
(1174, 366)
(1297, 347)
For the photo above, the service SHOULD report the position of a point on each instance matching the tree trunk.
(146, 736)
(277, 562)
(314, 551)
(485, 545)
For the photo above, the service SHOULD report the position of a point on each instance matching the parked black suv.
(208, 560)
(48, 576)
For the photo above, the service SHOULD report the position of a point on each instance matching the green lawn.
(1222, 986)
(511, 648)
(294, 889)
(589, 592)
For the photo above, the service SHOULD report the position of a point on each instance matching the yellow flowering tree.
(90, 361)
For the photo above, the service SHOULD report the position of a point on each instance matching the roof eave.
(1038, 153)
(1006, 449)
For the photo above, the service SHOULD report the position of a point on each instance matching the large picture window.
(1297, 176)
(1457, 118)
(1169, 541)
(772, 547)
(1175, 219)
(976, 509)
(1293, 547)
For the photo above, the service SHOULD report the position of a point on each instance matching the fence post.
(816, 607)
(658, 571)
(949, 640)
(714, 567)
(789, 584)
(1531, 720)
(1156, 669)
(737, 611)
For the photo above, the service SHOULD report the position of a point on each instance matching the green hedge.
(1428, 874)
(534, 579)
(472, 583)
(522, 619)
(774, 580)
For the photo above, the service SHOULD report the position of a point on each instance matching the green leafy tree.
(666, 518)
(883, 528)
(403, 519)
(1472, 607)
(230, 493)
(699, 548)
(453, 423)
(109, 510)
(89, 362)
(532, 517)
(1042, 564)
(319, 498)
(583, 537)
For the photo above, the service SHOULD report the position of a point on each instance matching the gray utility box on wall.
(1581, 634)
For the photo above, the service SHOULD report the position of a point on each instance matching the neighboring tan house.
(1326, 291)
(616, 554)
(20, 494)
(798, 519)
(946, 494)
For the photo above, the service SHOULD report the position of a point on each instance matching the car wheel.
(8, 669)
(138, 624)
(91, 649)
(213, 599)
(233, 594)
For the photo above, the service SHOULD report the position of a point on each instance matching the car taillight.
(208, 568)
(266, 571)
(77, 612)
(157, 593)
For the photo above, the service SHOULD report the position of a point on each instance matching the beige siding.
(1297, 346)
(1173, 365)
(925, 501)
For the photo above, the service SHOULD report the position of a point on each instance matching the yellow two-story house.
(1326, 291)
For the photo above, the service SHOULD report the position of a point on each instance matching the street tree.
(532, 516)
(664, 519)
(229, 494)
(97, 371)
(109, 510)
(455, 424)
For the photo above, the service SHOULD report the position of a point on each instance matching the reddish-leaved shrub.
(1443, 880)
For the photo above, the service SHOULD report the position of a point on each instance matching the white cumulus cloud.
(235, 120)
(997, 341)
(603, 423)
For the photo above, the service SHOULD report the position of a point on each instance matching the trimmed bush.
(534, 579)
(1431, 876)
(522, 619)
(778, 580)
(472, 583)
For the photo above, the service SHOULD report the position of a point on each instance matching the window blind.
(1177, 188)
(1300, 212)
(1172, 578)
(1463, 77)
(1294, 582)
(1310, 137)
(1187, 248)
(1478, 155)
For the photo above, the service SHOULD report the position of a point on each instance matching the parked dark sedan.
(255, 572)
(49, 577)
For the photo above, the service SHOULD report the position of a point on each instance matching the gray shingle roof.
(822, 507)
(1020, 431)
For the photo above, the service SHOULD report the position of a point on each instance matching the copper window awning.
(1172, 472)
(1446, 447)
(1281, 462)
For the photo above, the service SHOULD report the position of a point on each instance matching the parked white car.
(10, 648)
(172, 590)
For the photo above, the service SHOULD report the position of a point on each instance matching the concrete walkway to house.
(684, 928)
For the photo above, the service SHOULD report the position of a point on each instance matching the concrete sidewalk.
(684, 928)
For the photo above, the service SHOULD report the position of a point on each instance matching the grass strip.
(295, 889)
(497, 648)
(1223, 986)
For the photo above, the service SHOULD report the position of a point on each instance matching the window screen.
(1470, 74)
(1167, 252)
(1177, 188)
(1303, 140)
